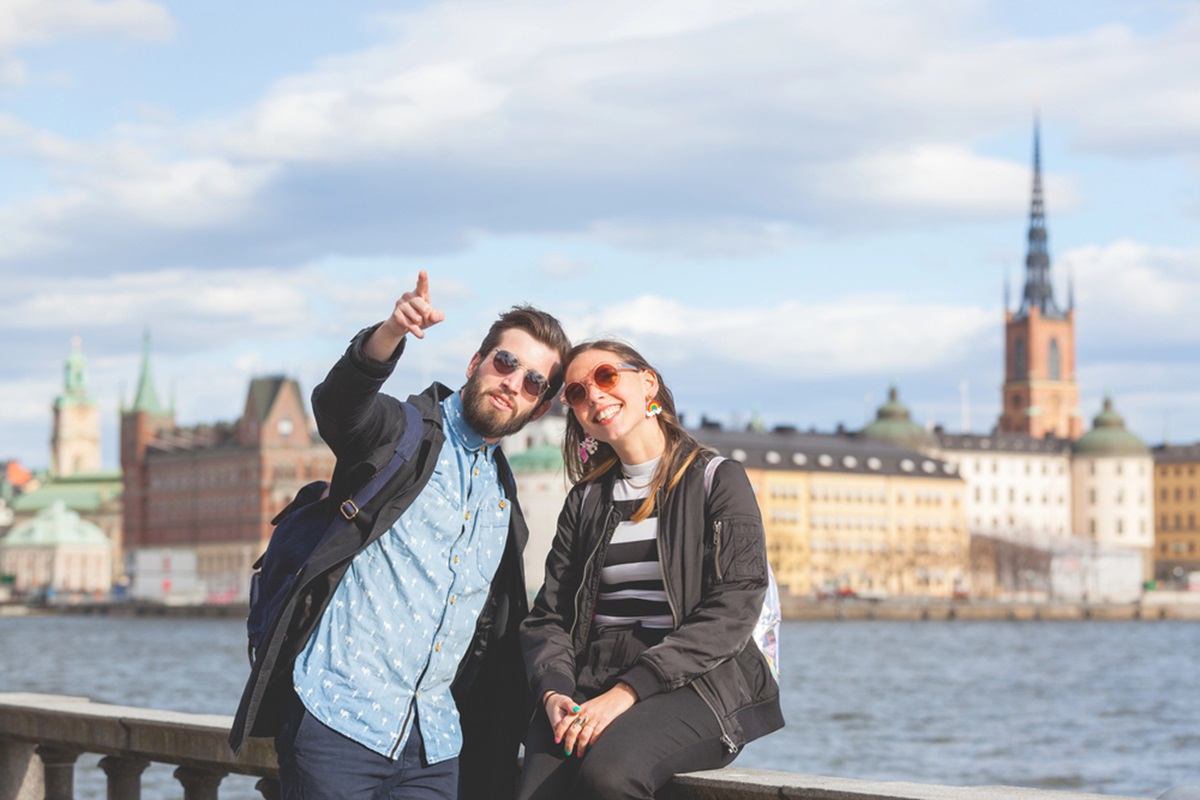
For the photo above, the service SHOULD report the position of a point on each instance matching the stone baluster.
(58, 770)
(124, 776)
(268, 788)
(199, 784)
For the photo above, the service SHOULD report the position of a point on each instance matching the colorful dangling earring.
(653, 409)
(587, 448)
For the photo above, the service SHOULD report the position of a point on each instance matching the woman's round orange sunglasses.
(604, 377)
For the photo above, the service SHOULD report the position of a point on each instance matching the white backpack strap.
(710, 469)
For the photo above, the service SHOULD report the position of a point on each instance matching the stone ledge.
(165, 736)
(732, 783)
(199, 740)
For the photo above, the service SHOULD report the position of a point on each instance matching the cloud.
(25, 22)
(861, 335)
(559, 266)
(714, 129)
(1136, 296)
(949, 181)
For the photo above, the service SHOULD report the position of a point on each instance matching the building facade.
(57, 555)
(846, 515)
(212, 490)
(1176, 514)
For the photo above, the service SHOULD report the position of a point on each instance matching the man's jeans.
(317, 763)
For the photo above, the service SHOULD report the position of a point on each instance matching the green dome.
(1108, 437)
(543, 458)
(54, 526)
(893, 424)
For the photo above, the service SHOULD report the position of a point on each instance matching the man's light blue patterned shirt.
(392, 636)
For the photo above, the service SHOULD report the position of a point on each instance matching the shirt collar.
(458, 430)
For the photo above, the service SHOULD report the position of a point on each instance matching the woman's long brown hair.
(681, 449)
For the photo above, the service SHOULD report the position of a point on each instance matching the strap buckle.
(348, 509)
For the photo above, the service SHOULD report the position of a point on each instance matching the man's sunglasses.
(535, 383)
(604, 377)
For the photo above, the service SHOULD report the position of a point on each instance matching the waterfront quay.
(42, 737)
(1151, 606)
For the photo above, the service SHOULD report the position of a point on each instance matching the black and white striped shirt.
(631, 582)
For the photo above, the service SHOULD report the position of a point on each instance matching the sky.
(787, 206)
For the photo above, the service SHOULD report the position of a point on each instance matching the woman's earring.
(653, 409)
(587, 448)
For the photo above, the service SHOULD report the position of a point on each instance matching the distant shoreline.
(1152, 607)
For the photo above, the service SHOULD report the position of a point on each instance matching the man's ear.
(475, 359)
(541, 410)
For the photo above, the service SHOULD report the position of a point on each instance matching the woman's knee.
(609, 776)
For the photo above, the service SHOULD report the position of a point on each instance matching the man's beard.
(487, 420)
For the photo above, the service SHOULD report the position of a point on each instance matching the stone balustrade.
(42, 737)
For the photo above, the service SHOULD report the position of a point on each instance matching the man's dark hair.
(542, 327)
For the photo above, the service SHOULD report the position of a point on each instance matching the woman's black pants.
(634, 757)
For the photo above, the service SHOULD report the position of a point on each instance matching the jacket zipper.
(584, 578)
(662, 565)
(717, 551)
(726, 739)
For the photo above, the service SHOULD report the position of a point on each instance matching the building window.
(1020, 363)
(1054, 361)
(1092, 526)
(1120, 525)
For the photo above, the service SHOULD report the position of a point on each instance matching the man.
(385, 645)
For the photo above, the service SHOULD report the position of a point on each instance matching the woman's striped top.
(631, 582)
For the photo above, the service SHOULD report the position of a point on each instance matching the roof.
(1108, 437)
(998, 442)
(893, 424)
(1176, 453)
(86, 492)
(146, 399)
(55, 526)
(262, 394)
(789, 449)
(543, 458)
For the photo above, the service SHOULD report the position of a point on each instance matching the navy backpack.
(307, 523)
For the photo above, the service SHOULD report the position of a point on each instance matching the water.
(1106, 707)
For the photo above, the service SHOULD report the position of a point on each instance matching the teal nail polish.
(574, 709)
(566, 751)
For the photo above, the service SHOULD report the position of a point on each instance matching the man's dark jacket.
(362, 427)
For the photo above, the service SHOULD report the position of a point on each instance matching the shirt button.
(477, 470)
(456, 559)
(437, 648)
(468, 515)
(452, 597)
(502, 504)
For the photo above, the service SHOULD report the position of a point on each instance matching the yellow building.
(1176, 513)
(845, 514)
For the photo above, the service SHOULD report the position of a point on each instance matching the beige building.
(1176, 513)
(849, 515)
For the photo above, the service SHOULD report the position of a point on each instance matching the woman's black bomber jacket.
(715, 573)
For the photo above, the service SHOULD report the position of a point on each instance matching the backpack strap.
(404, 452)
(710, 469)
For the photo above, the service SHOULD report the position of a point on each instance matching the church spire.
(1039, 293)
(146, 398)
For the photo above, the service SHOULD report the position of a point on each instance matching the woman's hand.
(558, 708)
(578, 732)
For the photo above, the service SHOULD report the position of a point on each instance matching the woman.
(638, 645)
